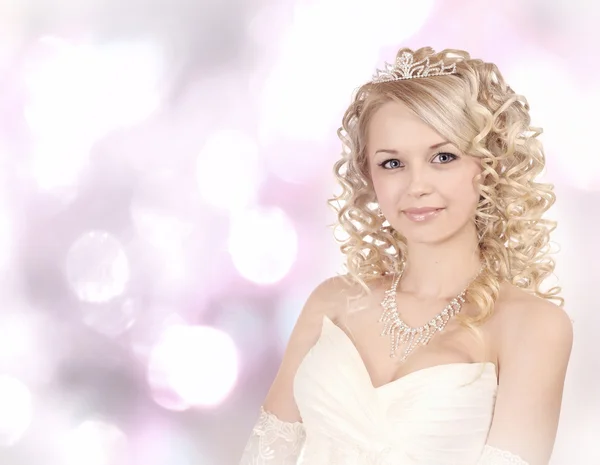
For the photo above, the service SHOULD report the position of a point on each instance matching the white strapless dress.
(435, 416)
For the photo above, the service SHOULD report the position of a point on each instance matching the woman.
(438, 346)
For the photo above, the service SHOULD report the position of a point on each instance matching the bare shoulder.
(520, 310)
(536, 337)
(335, 295)
(527, 320)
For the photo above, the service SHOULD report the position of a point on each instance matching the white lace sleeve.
(493, 456)
(273, 442)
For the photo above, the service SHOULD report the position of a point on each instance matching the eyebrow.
(395, 152)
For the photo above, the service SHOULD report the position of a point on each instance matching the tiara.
(406, 68)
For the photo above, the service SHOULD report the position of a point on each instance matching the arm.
(273, 441)
(278, 435)
(535, 347)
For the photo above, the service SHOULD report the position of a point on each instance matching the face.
(424, 185)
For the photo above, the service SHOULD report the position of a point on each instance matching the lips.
(422, 214)
(421, 210)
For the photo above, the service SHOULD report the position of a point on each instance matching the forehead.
(394, 124)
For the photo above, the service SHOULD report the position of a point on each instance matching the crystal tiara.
(406, 68)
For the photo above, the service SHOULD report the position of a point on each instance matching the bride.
(438, 346)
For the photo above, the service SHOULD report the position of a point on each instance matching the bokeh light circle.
(97, 268)
(263, 244)
(16, 409)
(197, 364)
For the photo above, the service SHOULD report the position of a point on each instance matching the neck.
(443, 270)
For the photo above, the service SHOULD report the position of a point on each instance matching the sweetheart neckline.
(411, 374)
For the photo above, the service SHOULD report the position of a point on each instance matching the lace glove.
(494, 456)
(273, 442)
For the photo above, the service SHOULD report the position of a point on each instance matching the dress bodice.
(439, 415)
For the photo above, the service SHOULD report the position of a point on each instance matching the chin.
(435, 235)
(430, 235)
(427, 238)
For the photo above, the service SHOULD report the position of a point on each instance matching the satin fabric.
(439, 415)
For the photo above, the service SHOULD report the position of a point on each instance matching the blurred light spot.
(96, 443)
(111, 318)
(16, 410)
(158, 227)
(164, 237)
(22, 348)
(156, 445)
(168, 219)
(323, 37)
(227, 171)
(161, 208)
(297, 161)
(97, 268)
(82, 85)
(197, 363)
(77, 93)
(57, 163)
(565, 138)
(148, 329)
(248, 327)
(263, 244)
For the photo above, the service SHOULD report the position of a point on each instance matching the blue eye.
(394, 163)
(385, 162)
(447, 157)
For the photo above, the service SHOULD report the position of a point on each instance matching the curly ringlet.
(477, 111)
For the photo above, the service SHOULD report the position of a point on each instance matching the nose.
(419, 183)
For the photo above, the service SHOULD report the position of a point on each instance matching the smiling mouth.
(420, 216)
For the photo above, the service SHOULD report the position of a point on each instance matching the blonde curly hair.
(479, 113)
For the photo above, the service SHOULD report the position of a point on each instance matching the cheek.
(464, 189)
(386, 186)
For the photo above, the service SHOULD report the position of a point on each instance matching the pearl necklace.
(400, 332)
